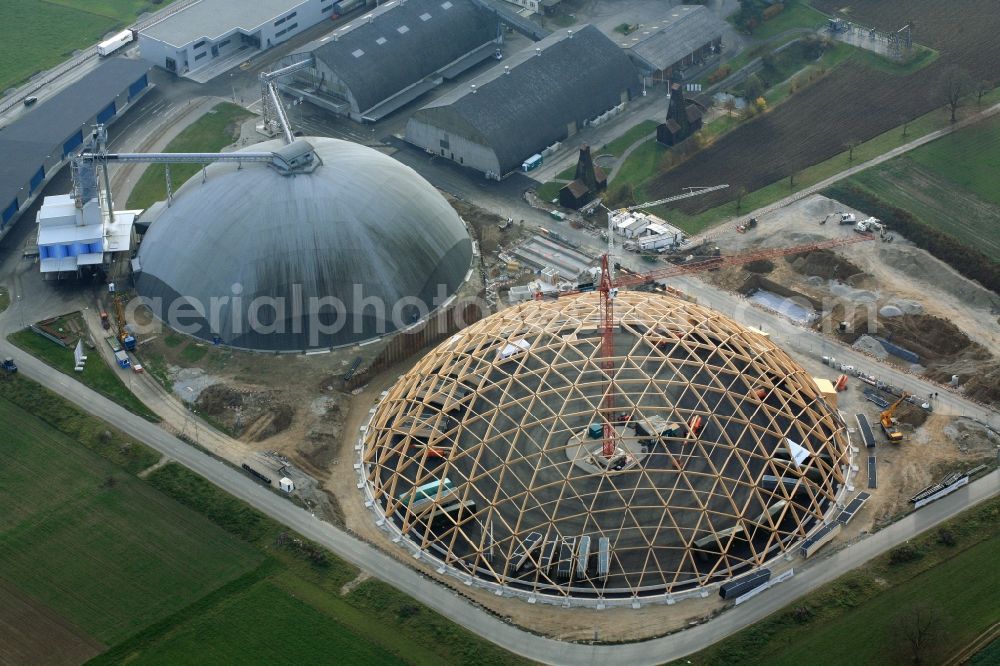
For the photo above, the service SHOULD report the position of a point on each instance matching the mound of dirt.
(933, 271)
(824, 263)
(978, 377)
(911, 414)
(249, 413)
(320, 445)
(932, 338)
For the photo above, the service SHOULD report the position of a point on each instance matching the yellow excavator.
(889, 423)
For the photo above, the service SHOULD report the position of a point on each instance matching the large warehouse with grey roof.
(541, 96)
(38, 143)
(686, 37)
(395, 53)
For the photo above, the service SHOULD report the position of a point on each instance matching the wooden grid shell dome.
(481, 455)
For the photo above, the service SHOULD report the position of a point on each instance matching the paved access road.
(456, 608)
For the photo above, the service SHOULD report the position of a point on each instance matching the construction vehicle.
(889, 426)
(609, 286)
(869, 225)
(9, 365)
(748, 225)
(847, 218)
(124, 337)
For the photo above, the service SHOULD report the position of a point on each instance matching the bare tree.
(850, 144)
(982, 88)
(956, 84)
(919, 629)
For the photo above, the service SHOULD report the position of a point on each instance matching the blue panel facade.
(72, 143)
(107, 113)
(901, 352)
(37, 179)
(137, 87)
(8, 212)
(96, 247)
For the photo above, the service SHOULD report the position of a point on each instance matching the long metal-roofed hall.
(535, 99)
(345, 245)
(686, 38)
(208, 37)
(40, 140)
(392, 55)
(490, 457)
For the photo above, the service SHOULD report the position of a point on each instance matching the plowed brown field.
(854, 102)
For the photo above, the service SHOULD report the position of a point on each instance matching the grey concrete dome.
(358, 247)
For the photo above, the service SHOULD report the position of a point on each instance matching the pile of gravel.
(870, 345)
(890, 311)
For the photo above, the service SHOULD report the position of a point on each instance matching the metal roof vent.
(473, 87)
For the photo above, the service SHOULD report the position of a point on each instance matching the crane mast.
(609, 286)
(607, 315)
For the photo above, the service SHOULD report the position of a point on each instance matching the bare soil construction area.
(950, 322)
(854, 102)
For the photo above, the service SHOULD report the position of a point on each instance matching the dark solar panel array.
(852, 508)
(866, 431)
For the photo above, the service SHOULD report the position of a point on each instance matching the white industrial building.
(72, 237)
(209, 32)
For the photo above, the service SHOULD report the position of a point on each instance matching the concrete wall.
(459, 149)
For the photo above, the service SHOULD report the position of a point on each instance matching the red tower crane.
(610, 285)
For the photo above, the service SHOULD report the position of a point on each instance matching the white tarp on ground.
(784, 306)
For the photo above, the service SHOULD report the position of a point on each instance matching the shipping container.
(115, 42)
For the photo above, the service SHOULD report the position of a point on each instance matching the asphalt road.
(456, 608)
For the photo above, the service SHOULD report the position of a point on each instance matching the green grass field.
(797, 14)
(171, 569)
(961, 590)
(949, 184)
(858, 618)
(263, 622)
(109, 382)
(36, 35)
(95, 543)
(210, 133)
